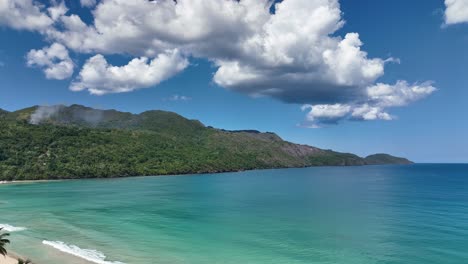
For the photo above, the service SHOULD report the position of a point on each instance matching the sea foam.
(87, 254)
(10, 228)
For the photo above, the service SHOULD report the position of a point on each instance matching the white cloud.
(146, 28)
(54, 60)
(57, 10)
(98, 77)
(456, 11)
(29, 15)
(379, 98)
(295, 58)
(177, 97)
(320, 115)
(88, 3)
(296, 54)
(400, 94)
(367, 112)
(326, 113)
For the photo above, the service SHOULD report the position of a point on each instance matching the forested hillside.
(61, 142)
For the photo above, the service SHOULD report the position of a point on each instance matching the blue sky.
(427, 50)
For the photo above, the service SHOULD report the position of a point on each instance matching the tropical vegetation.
(3, 242)
(79, 142)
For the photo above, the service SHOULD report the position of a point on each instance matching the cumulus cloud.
(320, 115)
(99, 77)
(379, 98)
(54, 60)
(29, 15)
(399, 94)
(456, 11)
(297, 60)
(88, 3)
(326, 113)
(368, 112)
(296, 54)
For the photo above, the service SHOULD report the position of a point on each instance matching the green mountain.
(380, 159)
(3, 112)
(62, 142)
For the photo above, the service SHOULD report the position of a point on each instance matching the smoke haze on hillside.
(44, 112)
(66, 114)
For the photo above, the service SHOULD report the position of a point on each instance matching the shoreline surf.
(88, 255)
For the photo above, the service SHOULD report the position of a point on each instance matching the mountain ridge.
(57, 142)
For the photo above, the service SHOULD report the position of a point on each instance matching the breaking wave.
(10, 228)
(86, 254)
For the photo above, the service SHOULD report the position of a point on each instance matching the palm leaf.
(3, 242)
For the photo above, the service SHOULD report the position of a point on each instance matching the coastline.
(3, 182)
(30, 181)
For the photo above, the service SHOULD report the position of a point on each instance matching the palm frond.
(3, 242)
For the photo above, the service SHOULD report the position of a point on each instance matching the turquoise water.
(414, 214)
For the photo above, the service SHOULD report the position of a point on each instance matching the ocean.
(415, 214)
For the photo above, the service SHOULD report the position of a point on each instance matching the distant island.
(70, 142)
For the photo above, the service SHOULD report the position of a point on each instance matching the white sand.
(7, 260)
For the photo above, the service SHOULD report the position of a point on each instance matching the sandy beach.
(8, 260)
(26, 181)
